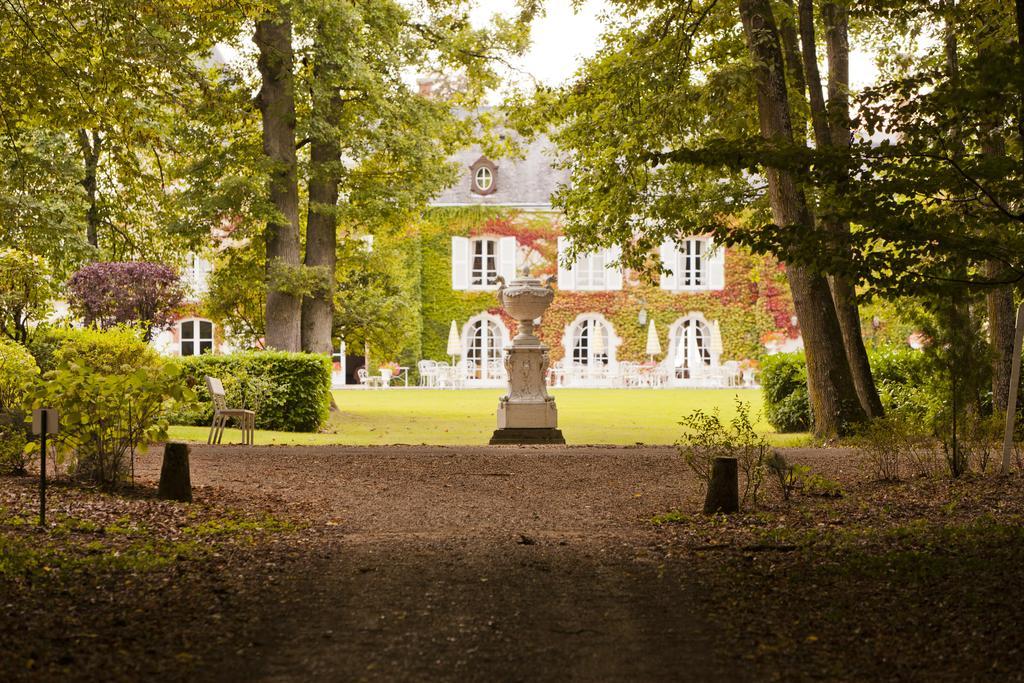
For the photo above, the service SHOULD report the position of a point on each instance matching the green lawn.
(586, 416)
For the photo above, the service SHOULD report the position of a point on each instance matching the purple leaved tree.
(108, 294)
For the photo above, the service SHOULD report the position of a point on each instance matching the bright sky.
(564, 37)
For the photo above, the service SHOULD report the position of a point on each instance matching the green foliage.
(18, 372)
(116, 350)
(25, 292)
(795, 477)
(706, 437)
(289, 391)
(108, 412)
(784, 383)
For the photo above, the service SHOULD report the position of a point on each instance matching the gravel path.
(487, 563)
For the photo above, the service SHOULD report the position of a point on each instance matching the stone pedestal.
(526, 414)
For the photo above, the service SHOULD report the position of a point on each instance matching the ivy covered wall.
(755, 304)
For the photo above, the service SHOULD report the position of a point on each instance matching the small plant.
(105, 417)
(707, 437)
(795, 477)
(391, 366)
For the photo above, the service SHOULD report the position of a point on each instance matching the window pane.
(205, 329)
(187, 348)
(188, 330)
(205, 347)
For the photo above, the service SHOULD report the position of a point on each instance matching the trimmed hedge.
(290, 392)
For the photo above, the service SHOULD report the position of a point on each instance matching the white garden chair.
(246, 419)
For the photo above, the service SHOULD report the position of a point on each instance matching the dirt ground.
(517, 564)
(410, 563)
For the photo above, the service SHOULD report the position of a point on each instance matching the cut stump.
(724, 488)
(175, 480)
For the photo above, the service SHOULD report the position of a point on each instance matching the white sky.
(563, 38)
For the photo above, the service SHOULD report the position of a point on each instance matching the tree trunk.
(724, 488)
(276, 101)
(837, 131)
(833, 395)
(175, 480)
(90, 144)
(321, 221)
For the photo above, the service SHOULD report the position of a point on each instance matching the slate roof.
(526, 182)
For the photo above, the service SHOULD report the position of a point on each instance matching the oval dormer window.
(483, 179)
(484, 175)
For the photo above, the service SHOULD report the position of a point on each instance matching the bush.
(290, 392)
(117, 350)
(25, 292)
(18, 372)
(135, 292)
(784, 386)
(105, 416)
(707, 437)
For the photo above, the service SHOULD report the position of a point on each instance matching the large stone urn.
(526, 414)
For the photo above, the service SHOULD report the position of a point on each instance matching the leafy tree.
(111, 294)
(374, 144)
(25, 292)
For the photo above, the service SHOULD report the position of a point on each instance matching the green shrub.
(18, 372)
(289, 391)
(784, 386)
(106, 416)
(706, 437)
(116, 350)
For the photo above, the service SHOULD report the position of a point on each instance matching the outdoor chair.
(428, 373)
(246, 419)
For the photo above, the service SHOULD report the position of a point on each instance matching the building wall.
(753, 305)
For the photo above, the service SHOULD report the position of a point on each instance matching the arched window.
(485, 339)
(591, 343)
(196, 337)
(483, 176)
(691, 346)
(483, 179)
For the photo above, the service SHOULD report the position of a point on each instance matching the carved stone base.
(539, 415)
(513, 435)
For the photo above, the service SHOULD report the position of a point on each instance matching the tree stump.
(175, 481)
(724, 487)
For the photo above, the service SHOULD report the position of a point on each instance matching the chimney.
(426, 87)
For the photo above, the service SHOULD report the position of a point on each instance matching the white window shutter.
(507, 248)
(715, 261)
(460, 263)
(566, 276)
(613, 273)
(670, 260)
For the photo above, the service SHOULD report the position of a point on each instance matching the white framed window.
(690, 263)
(483, 179)
(197, 274)
(484, 340)
(477, 262)
(590, 343)
(694, 263)
(195, 337)
(594, 271)
(484, 266)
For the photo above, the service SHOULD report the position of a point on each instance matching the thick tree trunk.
(837, 130)
(833, 395)
(276, 101)
(1002, 313)
(321, 221)
(90, 144)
